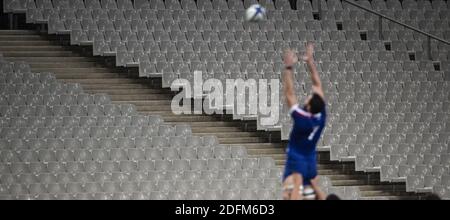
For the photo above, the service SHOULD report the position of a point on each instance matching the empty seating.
(379, 80)
(74, 145)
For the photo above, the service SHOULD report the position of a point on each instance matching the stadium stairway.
(48, 53)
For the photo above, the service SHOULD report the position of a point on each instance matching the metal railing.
(381, 17)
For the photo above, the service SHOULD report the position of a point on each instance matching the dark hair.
(316, 104)
(333, 197)
(432, 197)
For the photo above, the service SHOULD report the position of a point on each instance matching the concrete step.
(41, 48)
(215, 129)
(158, 106)
(390, 198)
(384, 193)
(54, 59)
(86, 71)
(331, 172)
(103, 81)
(145, 103)
(280, 163)
(241, 140)
(18, 32)
(141, 97)
(338, 177)
(148, 108)
(175, 118)
(347, 177)
(276, 157)
(65, 65)
(230, 134)
(32, 43)
(151, 109)
(267, 151)
(88, 75)
(260, 145)
(143, 91)
(20, 37)
(40, 54)
(335, 166)
(215, 124)
(349, 182)
(161, 113)
(326, 171)
(102, 86)
(386, 187)
(376, 193)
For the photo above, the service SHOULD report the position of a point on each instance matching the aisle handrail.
(382, 16)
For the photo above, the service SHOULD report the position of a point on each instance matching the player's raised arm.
(290, 59)
(308, 57)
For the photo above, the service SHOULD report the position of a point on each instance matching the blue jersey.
(306, 131)
(301, 151)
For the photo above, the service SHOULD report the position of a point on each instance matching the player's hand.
(290, 58)
(309, 54)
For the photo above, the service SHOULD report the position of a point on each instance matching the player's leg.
(297, 191)
(320, 195)
(288, 186)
